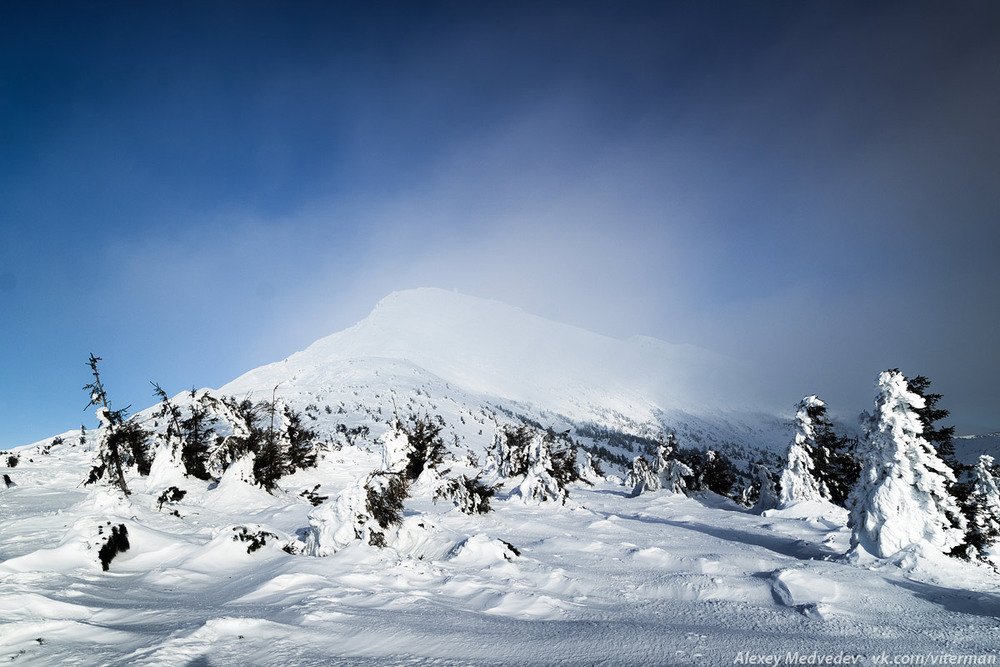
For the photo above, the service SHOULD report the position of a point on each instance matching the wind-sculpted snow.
(602, 579)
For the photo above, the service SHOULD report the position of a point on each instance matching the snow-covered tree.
(536, 455)
(427, 448)
(674, 476)
(798, 483)
(767, 495)
(982, 510)
(122, 441)
(709, 470)
(367, 510)
(641, 477)
(540, 484)
(940, 437)
(665, 472)
(902, 497)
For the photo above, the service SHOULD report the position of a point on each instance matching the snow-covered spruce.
(122, 441)
(528, 453)
(641, 477)
(767, 495)
(666, 471)
(540, 484)
(798, 483)
(368, 509)
(671, 473)
(982, 511)
(902, 497)
(469, 494)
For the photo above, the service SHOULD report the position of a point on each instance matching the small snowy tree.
(427, 448)
(121, 440)
(540, 484)
(940, 437)
(767, 495)
(469, 494)
(369, 509)
(641, 477)
(902, 497)
(798, 483)
(982, 511)
(546, 460)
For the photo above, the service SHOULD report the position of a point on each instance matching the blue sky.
(190, 190)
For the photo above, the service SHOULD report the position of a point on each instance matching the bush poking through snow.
(470, 495)
(117, 543)
(312, 495)
(255, 539)
(171, 495)
(427, 448)
(385, 493)
(12, 461)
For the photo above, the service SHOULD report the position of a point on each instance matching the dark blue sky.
(190, 190)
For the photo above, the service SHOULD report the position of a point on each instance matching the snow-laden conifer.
(982, 510)
(641, 477)
(798, 481)
(767, 495)
(539, 484)
(369, 508)
(902, 497)
(670, 471)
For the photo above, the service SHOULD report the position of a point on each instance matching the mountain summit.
(498, 352)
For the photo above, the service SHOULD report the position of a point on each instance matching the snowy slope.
(603, 579)
(495, 350)
(455, 355)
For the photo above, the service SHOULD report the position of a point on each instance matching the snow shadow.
(793, 548)
(954, 599)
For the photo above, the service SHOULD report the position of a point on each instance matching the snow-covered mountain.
(219, 571)
(500, 352)
(458, 356)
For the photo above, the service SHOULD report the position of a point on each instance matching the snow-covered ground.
(603, 579)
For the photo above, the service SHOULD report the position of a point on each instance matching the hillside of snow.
(218, 571)
(463, 358)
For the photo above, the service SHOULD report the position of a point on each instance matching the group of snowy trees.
(267, 436)
(682, 470)
(900, 479)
